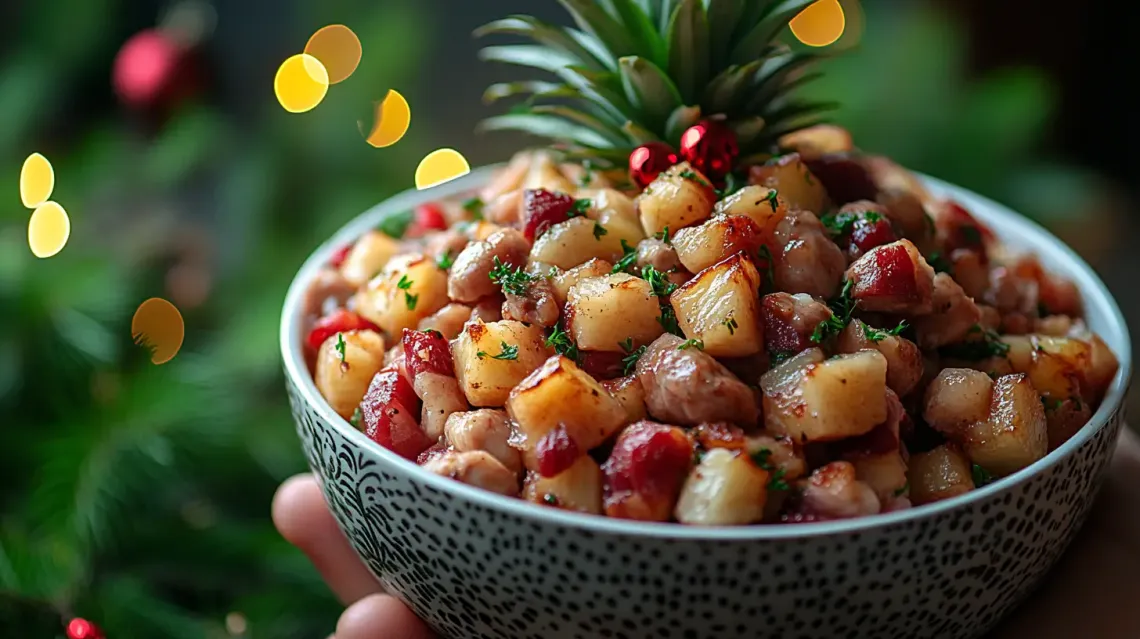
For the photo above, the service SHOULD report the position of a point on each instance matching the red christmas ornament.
(649, 160)
(145, 68)
(82, 629)
(710, 146)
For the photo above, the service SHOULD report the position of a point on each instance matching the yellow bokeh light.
(301, 83)
(338, 49)
(48, 229)
(439, 166)
(158, 327)
(820, 24)
(391, 118)
(37, 181)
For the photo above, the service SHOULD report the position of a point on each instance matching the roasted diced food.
(815, 338)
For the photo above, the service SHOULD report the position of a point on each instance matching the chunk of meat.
(656, 253)
(470, 277)
(807, 261)
(538, 306)
(957, 228)
(954, 314)
(475, 468)
(1011, 293)
(645, 471)
(484, 429)
(834, 493)
(859, 227)
(487, 310)
(843, 176)
(329, 291)
(908, 216)
(790, 320)
(441, 397)
(689, 387)
(448, 321)
(505, 209)
(894, 278)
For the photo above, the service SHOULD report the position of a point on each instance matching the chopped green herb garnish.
(777, 481)
(731, 324)
(692, 343)
(579, 208)
(628, 258)
(508, 351)
(560, 341)
(432, 331)
(599, 231)
(664, 235)
(587, 174)
(689, 174)
(762, 458)
(902, 489)
(981, 476)
(512, 279)
(971, 234)
(990, 345)
(939, 263)
(658, 281)
(626, 344)
(340, 349)
(474, 206)
(841, 309)
(404, 283)
(411, 300)
(1050, 403)
(765, 254)
(875, 335)
(395, 225)
(634, 354)
(775, 358)
(445, 260)
(732, 184)
(356, 418)
(842, 223)
(668, 320)
(772, 201)
(549, 499)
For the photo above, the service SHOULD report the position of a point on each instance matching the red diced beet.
(556, 452)
(543, 209)
(867, 234)
(340, 256)
(429, 217)
(427, 352)
(339, 321)
(602, 365)
(391, 415)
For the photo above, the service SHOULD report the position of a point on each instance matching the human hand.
(303, 518)
(1089, 593)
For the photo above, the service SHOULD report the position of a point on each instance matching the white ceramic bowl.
(476, 564)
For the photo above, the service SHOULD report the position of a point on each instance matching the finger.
(381, 617)
(302, 516)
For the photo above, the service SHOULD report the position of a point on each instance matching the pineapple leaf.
(615, 136)
(639, 134)
(753, 44)
(651, 9)
(688, 36)
(724, 93)
(748, 129)
(557, 38)
(527, 55)
(794, 111)
(596, 48)
(771, 77)
(649, 90)
(592, 19)
(497, 92)
(682, 118)
(601, 89)
(641, 27)
(548, 126)
(723, 16)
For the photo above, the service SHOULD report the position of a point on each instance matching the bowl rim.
(1054, 254)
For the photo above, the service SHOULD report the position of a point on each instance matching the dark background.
(138, 496)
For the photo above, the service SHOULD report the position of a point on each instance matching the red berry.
(429, 217)
(867, 234)
(543, 209)
(340, 256)
(339, 321)
(427, 352)
(391, 415)
(602, 365)
(556, 452)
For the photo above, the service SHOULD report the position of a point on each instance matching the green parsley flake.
(340, 349)
(841, 309)
(772, 201)
(731, 324)
(474, 206)
(692, 343)
(689, 174)
(512, 279)
(356, 418)
(445, 261)
(560, 341)
(664, 235)
(875, 335)
(902, 489)
(599, 231)
(507, 352)
(634, 354)
(579, 208)
(989, 345)
(628, 258)
(981, 476)
(658, 281)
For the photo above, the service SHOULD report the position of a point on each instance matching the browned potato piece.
(577, 488)
(629, 392)
(545, 174)
(884, 472)
(1054, 364)
(699, 247)
(904, 359)
(762, 205)
(721, 308)
(539, 404)
(1014, 435)
(485, 374)
(792, 179)
(564, 281)
(410, 288)
(782, 455)
(679, 197)
(343, 382)
(724, 489)
(575, 241)
(1101, 370)
(818, 140)
(370, 253)
(448, 320)
(602, 312)
(1064, 418)
(810, 399)
(939, 474)
(956, 398)
(476, 468)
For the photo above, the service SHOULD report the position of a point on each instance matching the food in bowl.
(770, 352)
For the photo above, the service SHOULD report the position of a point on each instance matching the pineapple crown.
(637, 71)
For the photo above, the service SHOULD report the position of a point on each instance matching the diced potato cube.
(1056, 364)
(679, 197)
(560, 393)
(620, 226)
(410, 288)
(343, 381)
(699, 247)
(1014, 435)
(566, 280)
(818, 140)
(724, 489)
(811, 399)
(575, 241)
(606, 311)
(762, 205)
(367, 257)
(956, 398)
(884, 472)
(483, 358)
(1101, 370)
(939, 474)
(577, 488)
(721, 307)
(629, 392)
(791, 178)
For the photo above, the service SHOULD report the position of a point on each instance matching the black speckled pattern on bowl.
(478, 565)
